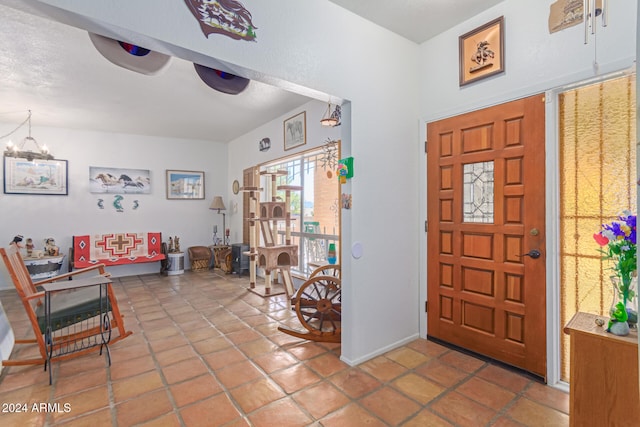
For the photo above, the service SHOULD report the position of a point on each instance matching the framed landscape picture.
(183, 185)
(295, 131)
(48, 177)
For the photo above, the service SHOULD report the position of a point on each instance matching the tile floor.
(205, 352)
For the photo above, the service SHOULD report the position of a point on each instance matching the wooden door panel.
(484, 295)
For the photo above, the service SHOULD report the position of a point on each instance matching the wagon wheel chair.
(318, 305)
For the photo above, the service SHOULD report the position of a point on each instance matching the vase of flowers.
(617, 242)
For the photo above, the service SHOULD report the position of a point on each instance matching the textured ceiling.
(54, 70)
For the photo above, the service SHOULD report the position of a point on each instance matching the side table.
(176, 263)
(43, 267)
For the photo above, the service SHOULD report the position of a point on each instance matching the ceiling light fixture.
(330, 118)
(15, 150)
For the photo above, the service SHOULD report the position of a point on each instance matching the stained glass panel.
(478, 192)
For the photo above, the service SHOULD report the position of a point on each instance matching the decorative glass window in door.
(478, 192)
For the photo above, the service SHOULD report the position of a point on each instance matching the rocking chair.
(69, 318)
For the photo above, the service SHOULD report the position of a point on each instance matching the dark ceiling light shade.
(130, 56)
(221, 81)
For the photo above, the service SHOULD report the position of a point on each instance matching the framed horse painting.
(295, 131)
(482, 52)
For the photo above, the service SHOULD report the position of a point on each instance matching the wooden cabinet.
(604, 388)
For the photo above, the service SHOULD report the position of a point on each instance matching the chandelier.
(19, 150)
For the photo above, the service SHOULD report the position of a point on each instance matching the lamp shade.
(217, 204)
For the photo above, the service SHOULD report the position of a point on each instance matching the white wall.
(536, 61)
(319, 48)
(244, 153)
(40, 216)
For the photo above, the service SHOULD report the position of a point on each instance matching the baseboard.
(380, 351)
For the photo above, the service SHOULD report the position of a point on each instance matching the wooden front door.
(486, 232)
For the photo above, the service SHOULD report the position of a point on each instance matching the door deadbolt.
(534, 232)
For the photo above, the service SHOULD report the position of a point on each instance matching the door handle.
(533, 253)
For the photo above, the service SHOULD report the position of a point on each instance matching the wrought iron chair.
(78, 316)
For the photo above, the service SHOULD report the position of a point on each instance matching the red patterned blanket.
(116, 249)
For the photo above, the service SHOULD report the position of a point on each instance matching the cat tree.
(271, 256)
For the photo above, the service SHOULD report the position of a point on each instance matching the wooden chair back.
(20, 275)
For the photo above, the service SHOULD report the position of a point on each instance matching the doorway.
(486, 232)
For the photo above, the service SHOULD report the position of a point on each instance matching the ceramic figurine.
(29, 246)
(50, 248)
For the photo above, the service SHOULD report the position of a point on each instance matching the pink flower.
(600, 239)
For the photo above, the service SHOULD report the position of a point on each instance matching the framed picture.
(22, 176)
(119, 181)
(482, 52)
(185, 185)
(295, 131)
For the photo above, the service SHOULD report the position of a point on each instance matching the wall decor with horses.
(119, 181)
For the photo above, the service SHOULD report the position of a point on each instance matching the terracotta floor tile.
(418, 388)
(256, 394)
(216, 411)
(355, 383)
(168, 343)
(441, 373)
(257, 347)
(237, 374)
(275, 361)
(533, 414)
(350, 416)
(504, 378)
(321, 399)
(540, 393)
(326, 364)
(169, 357)
(145, 408)
(462, 410)
(83, 381)
(407, 357)
(295, 378)
(243, 336)
(100, 418)
(224, 358)
(132, 367)
(124, 351)
(462, 361)
(305, 350)
(132, 387)
(383, 369)
(82, 402)
(167, 420)
(489, 394)
(283, 413)
(195, 389)
(31, 419)
(184, 370)
(508, 422)
(390, 405)
(208, 352)
(426, 418)
(428, 348)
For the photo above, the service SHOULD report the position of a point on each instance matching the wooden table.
(604, 388)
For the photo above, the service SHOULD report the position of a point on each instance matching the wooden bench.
(112, 249)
